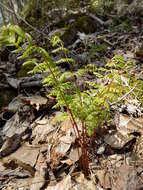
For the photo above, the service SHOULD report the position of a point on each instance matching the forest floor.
(38, 151)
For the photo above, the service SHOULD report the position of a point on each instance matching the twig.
(105, 40)
(108, 42)
(124, 96)
(97, 19)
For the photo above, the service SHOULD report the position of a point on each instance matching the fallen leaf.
(65, 184)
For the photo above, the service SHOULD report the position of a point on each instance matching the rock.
(82, 183)
(116, 159)
(12, 81)
(60, 147)
(18, 173)
(64, 144)
(39, 180)
(101, 149)
(69, 36)
(75, 154)
(35, 101)
(23, 72)
(127, 125)
(117, 140)
(7, 67)
(127, 178)
(10, 145)
(6, 96)
(4, 53)
(15, 125)
(21, 163)
(15, 129)
(139, 53)
(104, 178)
(84, 24)
(65, 184)
(42, 132)
(15, 104)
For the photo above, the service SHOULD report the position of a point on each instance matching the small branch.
(97, 19)
(124, 96)
(105, 40)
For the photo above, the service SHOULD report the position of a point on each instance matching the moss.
(82, 24)
(64, 22)
(24, 70)
(103, 7)
(32, 20)
(69, 35)
(99, 48)
(121, 25)
(94, 49)
(29, 10)
(85, 24)
(60, 24)
(33, 15)
(126, 25)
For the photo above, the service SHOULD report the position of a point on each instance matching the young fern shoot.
(89, 107)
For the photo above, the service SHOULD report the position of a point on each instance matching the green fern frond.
(43, 52)
(49, 81)
(29, 38)
(13, 35)
(60, 117)
(19, 41)
(65, 60)
(45, 55)
(7, 37)
(29, 62)
(27, 52)
(80, 72)
(66, 76)
(18, 50)
(56, 41)
(15, 29)
(39, 68)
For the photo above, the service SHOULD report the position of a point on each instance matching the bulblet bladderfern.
(13, 35)
(91, 106)
(88, 105)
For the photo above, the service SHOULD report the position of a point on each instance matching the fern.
(56, 41)
(65, 60)
(60, 49)
(13, 36)
(91, 107)
(86, 105)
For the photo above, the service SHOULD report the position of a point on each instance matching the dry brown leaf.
(36, 101)
(126, 124)
(75, 154)
(66, 125)
(67, 161)
(65, 184)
